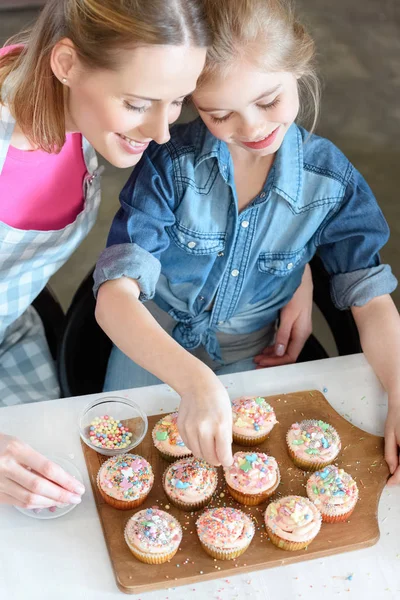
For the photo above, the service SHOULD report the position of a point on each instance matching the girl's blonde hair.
(98, 29)
(264, 32)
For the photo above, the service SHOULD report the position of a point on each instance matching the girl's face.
(121, 111)
(248, 108)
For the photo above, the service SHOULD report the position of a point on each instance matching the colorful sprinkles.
(225, 527)
(313, 438)
(252, 471)
(107, 432)
(126, 477)
(253, 412)
(153, 529)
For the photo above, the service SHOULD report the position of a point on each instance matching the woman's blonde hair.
(98, 28)
(264, 32)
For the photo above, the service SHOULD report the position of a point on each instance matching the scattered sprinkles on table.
(126, 477)
(107, 432)
(190, 483)
(313, 444)
(253, 419)
(153, 535)
(292, 522)
(334, 492)
(167, 440)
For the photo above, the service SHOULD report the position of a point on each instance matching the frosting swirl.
(225, 527)
(166, 436)
(252, 416)
(126, 477)
(314, 441)
(190, 480)
(253, 472)
(293, 518)
(332, 490)
(153, 530)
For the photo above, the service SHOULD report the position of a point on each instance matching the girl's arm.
(205, 415)
(378, 323)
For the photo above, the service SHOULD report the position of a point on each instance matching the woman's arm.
(205, 415)
(378, 323)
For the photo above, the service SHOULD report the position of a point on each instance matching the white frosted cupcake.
(167, 440)
(190, 483)
(153, 536)
(253, 420)
(334, 492)
(292, 522)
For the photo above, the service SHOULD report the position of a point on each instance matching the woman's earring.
(64, 80)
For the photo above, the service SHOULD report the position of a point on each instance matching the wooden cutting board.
(361, 456)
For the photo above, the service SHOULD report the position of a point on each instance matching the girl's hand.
(392, 443)
(205, 420)
(294, 329)
(30, 480)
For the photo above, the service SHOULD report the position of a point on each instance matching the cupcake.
(252, 478)
(153, 536)
(334, 493)
(125, 481)
(225, 533)
(167, 440)
(292, 522)
(313, 444)
(253, 420)
(190, 483)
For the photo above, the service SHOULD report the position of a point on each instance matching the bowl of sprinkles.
(112, 425)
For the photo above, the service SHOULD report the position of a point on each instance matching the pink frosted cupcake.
(253, 420)
(167, 440)
(292, 522)
(225, 533)
(313, 444)
(252, 478)
(125, 481)
(334, 493)
(153, 536)
(190, 483)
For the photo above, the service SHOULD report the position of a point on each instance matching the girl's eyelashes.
(262, 106)
(271, 104)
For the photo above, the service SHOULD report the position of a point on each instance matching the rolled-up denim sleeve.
(138, 233)
(349, 244)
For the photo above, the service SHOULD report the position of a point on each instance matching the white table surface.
(67, 559)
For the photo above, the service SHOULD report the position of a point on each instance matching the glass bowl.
(120, 409)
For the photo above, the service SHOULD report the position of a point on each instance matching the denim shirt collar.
(287, 169)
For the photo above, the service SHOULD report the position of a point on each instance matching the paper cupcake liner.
(149, 558)
(336, 518)
(189, 506)
(308, 465)
(221, 554)
(253, 499)
(121, 504)
(246, 440)
(286, 544)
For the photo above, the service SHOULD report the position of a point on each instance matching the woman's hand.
(205, 420)
(392, 443)
(29, 480)
(294, 329)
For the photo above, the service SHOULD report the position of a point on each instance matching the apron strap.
(7, 124)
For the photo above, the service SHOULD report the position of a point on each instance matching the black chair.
(85, 348)
(52, 316)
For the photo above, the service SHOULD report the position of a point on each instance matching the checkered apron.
(27, 261)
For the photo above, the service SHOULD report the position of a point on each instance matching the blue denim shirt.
(179, 234)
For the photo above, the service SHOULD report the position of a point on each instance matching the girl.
(237, 204)
(81, 79)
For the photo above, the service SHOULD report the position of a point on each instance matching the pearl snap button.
(235, 273)
(220, 254)
(289, 266)
(245, 224)
(192, 244)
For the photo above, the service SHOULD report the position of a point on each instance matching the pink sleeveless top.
(41, 191)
